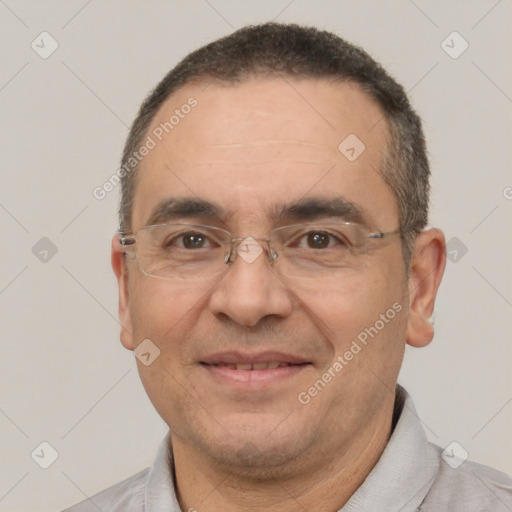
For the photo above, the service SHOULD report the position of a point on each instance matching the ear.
(121, 271)
(427, 268)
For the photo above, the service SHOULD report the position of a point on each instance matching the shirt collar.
(160, 492)
(406, 469)
(399, 481)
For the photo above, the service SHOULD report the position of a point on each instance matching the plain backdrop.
(64, 377)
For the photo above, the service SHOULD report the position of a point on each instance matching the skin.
(248, 147)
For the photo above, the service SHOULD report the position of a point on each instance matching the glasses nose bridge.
(249, 249)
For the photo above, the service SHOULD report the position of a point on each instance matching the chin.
(257, 459)
(255, 446)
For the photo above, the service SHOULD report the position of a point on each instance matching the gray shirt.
(411, 475)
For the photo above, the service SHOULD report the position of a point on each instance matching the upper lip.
(245, 357)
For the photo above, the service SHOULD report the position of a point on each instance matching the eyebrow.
(305, 209)
(187, 207)
(316, 207)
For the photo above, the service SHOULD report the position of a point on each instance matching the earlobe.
(427, 268)
(419, 330)
(120, 270)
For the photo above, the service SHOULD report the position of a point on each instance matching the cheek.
(161, 309)
(366, 321)
(380, 320)
(166, 313)
(365, 305)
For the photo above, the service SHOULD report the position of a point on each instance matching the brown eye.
(189, 240)
(193, 241)
(318, 240)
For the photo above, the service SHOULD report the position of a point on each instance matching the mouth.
(247, 367)
(253, 371)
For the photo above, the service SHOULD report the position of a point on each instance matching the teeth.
(272, 365)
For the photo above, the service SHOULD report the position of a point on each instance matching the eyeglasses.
(195, 252)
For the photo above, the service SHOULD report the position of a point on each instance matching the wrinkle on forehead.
(259, 152)
(269, 142)
(211, 161)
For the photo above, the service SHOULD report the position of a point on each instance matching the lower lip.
(254, 378)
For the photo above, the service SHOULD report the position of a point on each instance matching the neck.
(323, 479)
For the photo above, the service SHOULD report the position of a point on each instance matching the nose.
(251, 290)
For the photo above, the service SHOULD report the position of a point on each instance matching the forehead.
(266, 140)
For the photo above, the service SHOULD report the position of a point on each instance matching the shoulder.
(125, 496)
(470, 487)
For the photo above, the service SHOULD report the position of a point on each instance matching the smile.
(252, 372)
(270, 365)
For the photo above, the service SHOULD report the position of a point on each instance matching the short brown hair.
(274, 49)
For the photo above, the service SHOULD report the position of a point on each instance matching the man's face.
(250, 149)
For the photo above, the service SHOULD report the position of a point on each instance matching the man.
(272, 263)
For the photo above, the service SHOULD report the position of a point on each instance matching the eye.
(320, 240)
(190, 240)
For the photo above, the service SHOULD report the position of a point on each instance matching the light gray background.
(64, 376)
